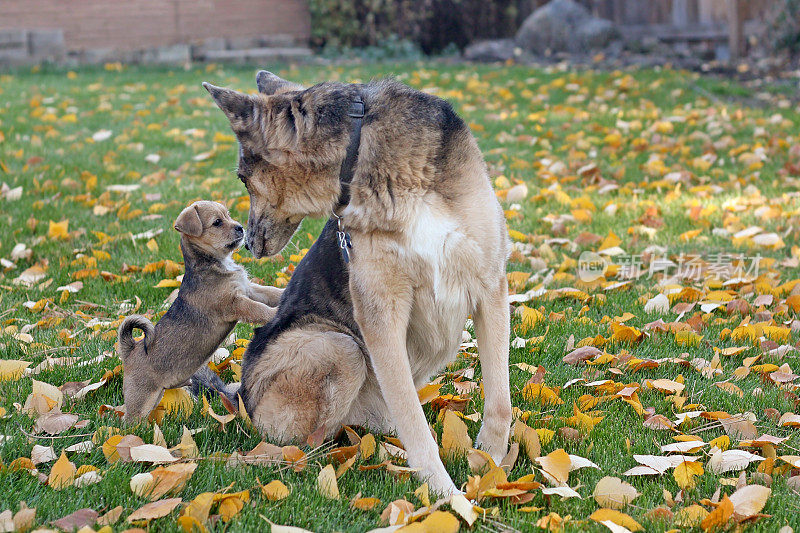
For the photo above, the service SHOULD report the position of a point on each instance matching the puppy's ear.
(238, 107)
(269, 84)
(189, 223)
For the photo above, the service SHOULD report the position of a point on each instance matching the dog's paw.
(495, 443)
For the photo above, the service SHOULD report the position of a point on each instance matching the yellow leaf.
(423, 495)
(455, 439)
(530, 318)
(178, 402)
(689, 235)
(200, 507)
(190, 524)
(556, 466)
(687, 338)
(231, 504)
(167, 283)
(275, 490)
(296, 456)
(690, 516)
(440, 522)
(723, 442)
(686, 472)
(528, 439)
(110, 448)
(367, 446)
(545, 435)
(326, 483)
(542, 393)
(718, 518)
(59, 230)
(365, 504)
(62, 475)
(621, 519)
(12, 369)
(610, 241)
(428, 392)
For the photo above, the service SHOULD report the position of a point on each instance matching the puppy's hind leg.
(492, 325)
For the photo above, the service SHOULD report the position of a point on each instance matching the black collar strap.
(356, 113)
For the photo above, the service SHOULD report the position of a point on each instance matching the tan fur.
(216, 293)
(429, 248)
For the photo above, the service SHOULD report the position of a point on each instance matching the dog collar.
(356, 113)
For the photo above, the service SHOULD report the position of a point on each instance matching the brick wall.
(139, 24)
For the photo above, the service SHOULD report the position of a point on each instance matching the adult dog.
(416, 243)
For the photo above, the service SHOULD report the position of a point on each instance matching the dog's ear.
(189, 222)
(236, 106)
(269, 84)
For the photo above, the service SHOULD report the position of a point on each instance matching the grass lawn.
(618, 162)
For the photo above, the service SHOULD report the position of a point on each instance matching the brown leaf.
(580, 355)
(77, 520)
(154, 510)
(55, 422)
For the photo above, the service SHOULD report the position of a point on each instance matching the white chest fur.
(433, 238)
(442, 300)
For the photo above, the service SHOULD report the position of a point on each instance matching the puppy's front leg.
(251, 311)
(491, 319)
(265, 294)
(382, 313)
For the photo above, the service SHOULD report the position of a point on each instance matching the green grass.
(520, 116)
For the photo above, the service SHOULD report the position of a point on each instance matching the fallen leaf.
(326, 483)
(153, 510)
(62, 475)
(614, 493)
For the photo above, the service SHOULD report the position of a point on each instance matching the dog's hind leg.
(492, 324)
(305, 379)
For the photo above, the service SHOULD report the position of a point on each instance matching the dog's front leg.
(251, 311)
(382, 311)
(492, 324)
(265, 294)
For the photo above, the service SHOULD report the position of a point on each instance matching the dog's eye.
(217, 222)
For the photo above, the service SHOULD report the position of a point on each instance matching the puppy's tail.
(125, 333)
(206, 379)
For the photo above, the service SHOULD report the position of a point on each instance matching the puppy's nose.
(246, 246)
(239, 229)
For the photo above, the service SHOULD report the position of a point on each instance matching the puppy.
(215, 294)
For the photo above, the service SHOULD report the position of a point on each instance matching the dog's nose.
(246, 246)
(239, 229)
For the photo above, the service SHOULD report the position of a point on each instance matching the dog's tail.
(205, 380)
(125, 333)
